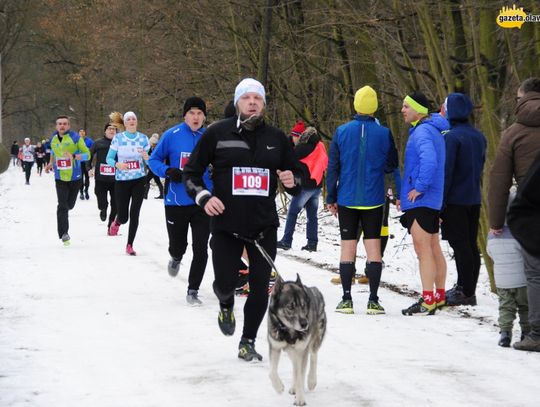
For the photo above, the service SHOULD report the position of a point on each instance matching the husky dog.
(296, 324)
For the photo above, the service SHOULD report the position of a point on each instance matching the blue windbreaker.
(424, 164)
(361, 153)
(173, 150)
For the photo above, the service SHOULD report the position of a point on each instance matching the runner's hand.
(214, 207)
(286, 178)
(121, 166)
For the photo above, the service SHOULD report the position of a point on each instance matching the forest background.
(86, 58)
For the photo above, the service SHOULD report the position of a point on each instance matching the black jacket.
(224, 146)
(15, 149)
(99, 150)
(524, 214)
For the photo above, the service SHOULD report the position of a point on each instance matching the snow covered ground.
(90, 326)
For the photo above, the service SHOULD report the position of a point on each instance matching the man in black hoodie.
(248, 157)
(465, 157)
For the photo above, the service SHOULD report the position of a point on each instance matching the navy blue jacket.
(465, 154)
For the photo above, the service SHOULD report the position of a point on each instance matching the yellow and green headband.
(415, 105)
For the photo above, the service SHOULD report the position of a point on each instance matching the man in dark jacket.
(310, 151)
(465, 157)
(524, 223)
(248, 157)
(519, 145)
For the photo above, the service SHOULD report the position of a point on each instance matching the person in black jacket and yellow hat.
(248, 158)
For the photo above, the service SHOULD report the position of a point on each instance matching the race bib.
(250, 181)
(105, 169)
(63, 163)
(184, 157)
(28, 157)
(133, 165)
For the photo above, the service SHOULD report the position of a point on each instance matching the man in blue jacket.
(181, 212)
(465, 157)
(422, 192)
(362, 151)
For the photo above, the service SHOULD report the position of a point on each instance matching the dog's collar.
(289, 335)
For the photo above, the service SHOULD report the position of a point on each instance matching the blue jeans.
(309, 199)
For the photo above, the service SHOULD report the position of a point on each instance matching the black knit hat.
(421, 99)
(194, 101)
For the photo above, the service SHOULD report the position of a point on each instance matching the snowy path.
(89, 326)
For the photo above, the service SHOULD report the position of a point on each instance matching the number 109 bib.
(250, 181)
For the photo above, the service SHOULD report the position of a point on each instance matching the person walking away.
(127, 154)
(104, 175)
(361, 153)
(150, 175)
(181, 211)
(28, 158)
(248, 157)
(310, 151)
(465, 157)
(422, 193)
(67, 151)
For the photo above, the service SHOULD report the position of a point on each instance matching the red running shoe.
(115, 227)
(130, 251)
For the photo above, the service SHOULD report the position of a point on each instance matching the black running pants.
(226, 250)
(178, 220)
(460, 227)
(27, 166)
(101, 189)
(66, 192)
(129, 192)
(85, 184)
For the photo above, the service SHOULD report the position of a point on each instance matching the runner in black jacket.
(247, 156)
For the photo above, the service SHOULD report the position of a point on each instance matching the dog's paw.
(292, 391)
(299, 401)
(277, 384)
(311, 381)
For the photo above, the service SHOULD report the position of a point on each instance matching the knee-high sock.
(373, 272)
(346, 272)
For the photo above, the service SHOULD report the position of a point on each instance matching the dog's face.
(290, 302)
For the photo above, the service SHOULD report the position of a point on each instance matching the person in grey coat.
(511, 283)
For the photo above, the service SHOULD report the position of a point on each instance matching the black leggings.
(39, 162)
(84, 177)
(226, 250)
(66, 192)
(27, 166)
(179, 219)
(126, 191)
(101, 188)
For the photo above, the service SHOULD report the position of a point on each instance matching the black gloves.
(174, 174)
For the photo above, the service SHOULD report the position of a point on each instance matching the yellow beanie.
(365, 100)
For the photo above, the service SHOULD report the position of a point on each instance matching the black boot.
(505, 339)
(310, 247)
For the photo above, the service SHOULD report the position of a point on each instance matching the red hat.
(298, 129)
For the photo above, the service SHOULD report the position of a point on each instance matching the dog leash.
(263, 252)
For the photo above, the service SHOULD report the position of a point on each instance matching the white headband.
(129, 114)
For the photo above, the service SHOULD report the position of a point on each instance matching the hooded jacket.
(241, 157)
(465, 154)
(68, 170)
(519, 145)
(311, 153)
(424, 164)
(361, 153)
(174, 148)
